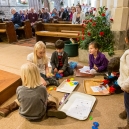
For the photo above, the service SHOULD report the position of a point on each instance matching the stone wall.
(11, 4)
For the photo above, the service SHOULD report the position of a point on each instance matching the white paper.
(85, 69)
(66, 87)
(98, 88)
(49, 65)
(80, 109)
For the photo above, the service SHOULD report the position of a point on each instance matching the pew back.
(57, 27)
(8, 29)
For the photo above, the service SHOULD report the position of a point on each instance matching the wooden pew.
(8, 85)
(26, 29)
(7, 28)
(57, 27)
(47, 36)
(64, 22)
(68, 31)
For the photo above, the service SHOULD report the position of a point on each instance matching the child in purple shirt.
(97, 61)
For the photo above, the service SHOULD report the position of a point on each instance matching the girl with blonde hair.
(32, 98)
(38, 57)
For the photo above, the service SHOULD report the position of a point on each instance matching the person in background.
(78, 16)
(73, 10)
(45, 15)
(33, 17)
(54, 13)
(68, 12)
(21, 13)
(39, 13)
(16, 19)
(48, 12)
(24, 16)
(62, 14)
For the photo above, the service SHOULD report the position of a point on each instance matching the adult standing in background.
(78, 16)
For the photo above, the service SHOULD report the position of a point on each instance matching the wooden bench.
(26, 29)
(8, 85)
(8, 30)
(64, 22)
(68, 31)
(47, 36)
(39, 26)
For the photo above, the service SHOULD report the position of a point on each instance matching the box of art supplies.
(94, 87)
(78, 105)
(67, 85)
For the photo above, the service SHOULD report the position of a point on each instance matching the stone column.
(110, 4)
(103, 3)
(51, 5)
(95, 3)
(120, 16)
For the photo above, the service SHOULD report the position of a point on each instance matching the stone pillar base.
(84, 55)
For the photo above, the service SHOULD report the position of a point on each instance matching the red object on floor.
(112, 89)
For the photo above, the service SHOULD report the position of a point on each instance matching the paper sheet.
(80, 108)
(49, 65)
(67, 87)
(85, 69)
(98, 88)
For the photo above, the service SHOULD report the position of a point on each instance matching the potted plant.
(98, 29)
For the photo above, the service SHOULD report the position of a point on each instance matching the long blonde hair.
(30, 75)
(39, 45)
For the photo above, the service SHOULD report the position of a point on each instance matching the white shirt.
(40, 64)
(123, 79)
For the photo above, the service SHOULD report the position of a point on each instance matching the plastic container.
(71, 49)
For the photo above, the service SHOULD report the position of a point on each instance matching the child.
(113, 74)
(32, 99)
(97, 61)
(59, 60)
(123, 80)
(39, 58)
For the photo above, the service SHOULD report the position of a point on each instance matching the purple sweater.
(101, 62)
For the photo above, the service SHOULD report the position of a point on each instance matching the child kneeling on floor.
(39, 58)
(113, 75)
(32, 98)
(59, 60)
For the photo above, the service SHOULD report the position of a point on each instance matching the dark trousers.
(67, 72)
(126, 101)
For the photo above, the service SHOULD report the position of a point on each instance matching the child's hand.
(49, 75)
(96, 68)
(60, 71)
(43, 82)
(55, 70)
